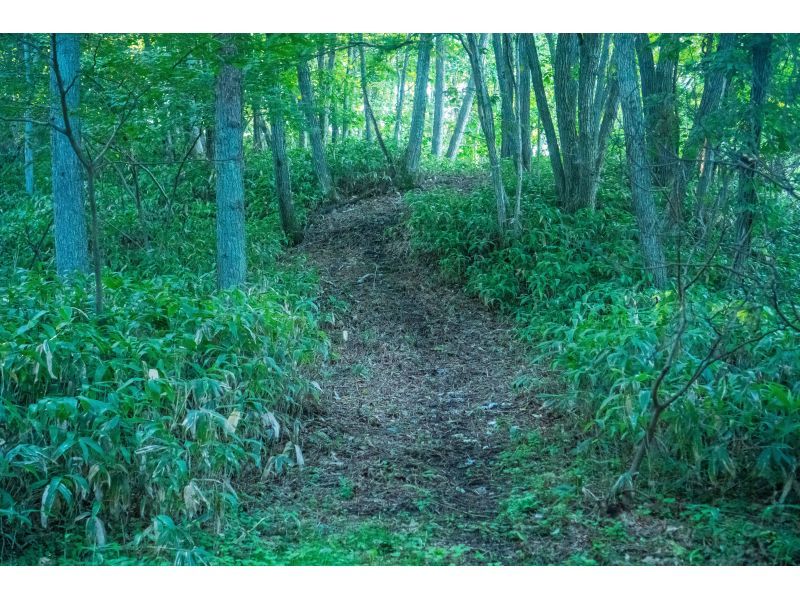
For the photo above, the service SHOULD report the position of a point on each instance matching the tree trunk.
(28, 135)
(413, 152)
(438, 98)
(328, 105)
(401, 94)
(465, 110)
(229, 165)
(543, 108)
(314, 133)
(697, 151)
(660, 108)
(258, 121)
(641, 179)
(364, 86)
(524, 102)
(487, 124)
(586, 107)
(760, 48)
(283, 189)
(71, 241)
(503, 55)
(586, 172)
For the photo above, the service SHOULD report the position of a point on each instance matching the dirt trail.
(411, 407)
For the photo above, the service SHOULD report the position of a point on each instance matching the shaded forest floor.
(423, 451)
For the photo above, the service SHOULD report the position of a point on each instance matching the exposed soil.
(423, 372)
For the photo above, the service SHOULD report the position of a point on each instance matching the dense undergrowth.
(573, 283)
(132, 437)
(135, 429)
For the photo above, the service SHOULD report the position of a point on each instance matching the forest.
(400, 298)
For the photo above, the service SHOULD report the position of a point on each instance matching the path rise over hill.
(411, 405)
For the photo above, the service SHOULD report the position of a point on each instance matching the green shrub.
(574, 284)
(150, 412)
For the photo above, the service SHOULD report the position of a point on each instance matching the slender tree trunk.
(258, 131)
(71, 241)
(438, 98)
(364, 85)
(566, 92)
(487, 124)
(401, 94)
(503, 55)
(413, 152)
(314, 134)
(229, 165)
(518, 166)
(660, 108)
(465, 110)
(586, 167)
(346, 93)
(641, 182)
(697, 152)
(586, 108)
(328, 105)
(760, 49)
(28, 135)
(283, 189)
(524, 102)
(543, 109)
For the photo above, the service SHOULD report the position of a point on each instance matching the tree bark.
(364, 86)
(660, 107)
(487, 124)
(524, 102)
(641, 179)
(314, 132)
(283, 189)
(700, 137)
(229, 166)
(413, 152)
(503, 55)
(401, 94)
(465, 110)
(761, 46)
(330, 107)
(28, 134)
(71, 240)
(345, 124)
(585, 107)
(438, 98)
(543, 108)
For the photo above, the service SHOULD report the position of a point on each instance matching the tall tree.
(504, 59)
(438, 97)
(702, 136)
(487, 124)
(314, 132)
(659, 79)
(71, 242)
(586, 107)
(364, 86)
(760, 48)
(260, 131)
(644, 206)
(524, 102)
(466, 108)
(413, 152)
(283, 189)
(346, 84)
(401, 93)
(229, 166)
(28, 133)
